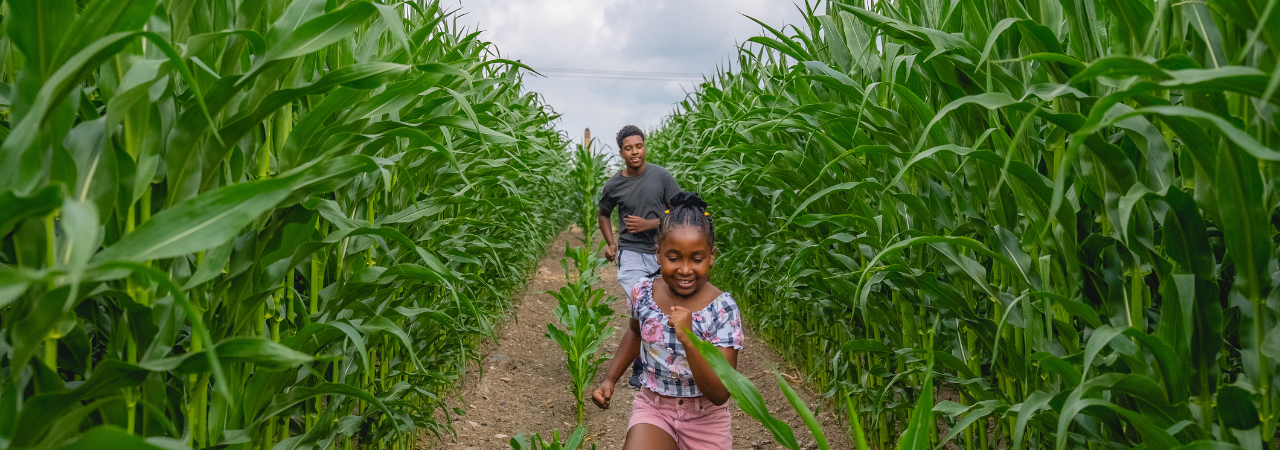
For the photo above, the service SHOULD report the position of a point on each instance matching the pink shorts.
(694, 422)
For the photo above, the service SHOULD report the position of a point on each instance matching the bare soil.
(524, 388)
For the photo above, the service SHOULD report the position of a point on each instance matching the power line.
(594, 77)
(620, 75)
(620, 72)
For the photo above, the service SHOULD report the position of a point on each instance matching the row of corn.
(583, 309)
(256, 224)
(1058, 214)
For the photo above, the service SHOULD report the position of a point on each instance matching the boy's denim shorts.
(633, 267)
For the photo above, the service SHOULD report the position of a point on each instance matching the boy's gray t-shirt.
(645, 196)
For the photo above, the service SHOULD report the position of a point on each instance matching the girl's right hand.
(602, 395)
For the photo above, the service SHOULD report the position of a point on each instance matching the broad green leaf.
(285, 401)
(201, 223)
(1236, 408)
(379, 323)
(1245, 228)
(260, 352)
(216, 217)
(316, 34)
(40, 411)
(805, 414)
(15, 208)
(44, 27)
(100, 18)
(110, 437)
(744, 392)
(1197, 17)
(1035, 402)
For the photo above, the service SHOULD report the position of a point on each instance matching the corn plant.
(588, 263)
(1083, 192)
(574, 441)
(585, 331)
(589, 173)
(256, 224)
(584, 312)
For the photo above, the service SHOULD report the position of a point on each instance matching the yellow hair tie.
(667, 211)
(706, 213)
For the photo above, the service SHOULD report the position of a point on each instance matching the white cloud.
(683, 36)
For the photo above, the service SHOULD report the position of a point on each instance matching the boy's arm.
(607, 203)
(637, 224)
(606, 230)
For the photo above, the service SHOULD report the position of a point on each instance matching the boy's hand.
(611, 252)
(602, 395)
(637, 224)
(682, 319)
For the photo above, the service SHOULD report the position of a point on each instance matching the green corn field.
(257, 224)
(1076, 199)
(288, 224)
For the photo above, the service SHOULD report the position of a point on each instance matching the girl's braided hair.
(688, 209)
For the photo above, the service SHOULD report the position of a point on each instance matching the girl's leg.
(711, 430)
(645, 436)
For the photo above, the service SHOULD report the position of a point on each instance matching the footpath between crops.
(524, 387)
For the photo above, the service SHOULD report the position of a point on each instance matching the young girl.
(682, 404)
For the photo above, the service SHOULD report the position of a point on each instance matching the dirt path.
(524, 387)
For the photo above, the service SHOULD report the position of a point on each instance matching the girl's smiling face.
(684, 259)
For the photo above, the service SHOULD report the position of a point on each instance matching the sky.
(678, 38)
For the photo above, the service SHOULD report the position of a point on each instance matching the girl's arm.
(708, 382)
(628, 350)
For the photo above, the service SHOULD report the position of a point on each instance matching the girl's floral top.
(666, 371)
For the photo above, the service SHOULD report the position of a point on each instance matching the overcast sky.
(670, 36)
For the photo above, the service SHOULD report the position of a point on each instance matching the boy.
(641, 192)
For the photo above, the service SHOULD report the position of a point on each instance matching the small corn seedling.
(574, 442)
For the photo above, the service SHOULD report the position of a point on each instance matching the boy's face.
(632, 152)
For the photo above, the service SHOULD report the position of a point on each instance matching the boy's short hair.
(628, 131)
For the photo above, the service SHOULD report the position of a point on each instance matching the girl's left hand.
(682, 319)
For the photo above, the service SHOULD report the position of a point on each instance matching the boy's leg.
(631, 269)
(650, 262)
(636, 369)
